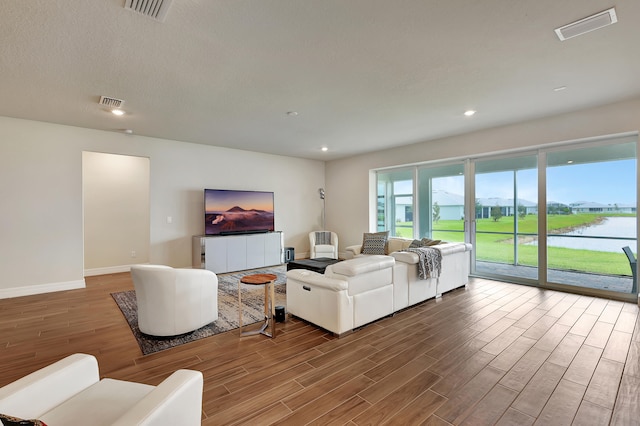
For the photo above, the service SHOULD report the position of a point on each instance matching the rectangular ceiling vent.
(156, 9)
(590, 23)
(110, 102)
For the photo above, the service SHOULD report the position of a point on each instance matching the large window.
(557, 217)
(438, 211)
(441, 202)
(395, 203)
(591, 215)
(506, 216)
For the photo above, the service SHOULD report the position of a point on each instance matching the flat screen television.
(237, 212)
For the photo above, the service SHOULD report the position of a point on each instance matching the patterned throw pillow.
(6, 420)
(415, 244)
(375, 243)
(426, 242)
(323, 238)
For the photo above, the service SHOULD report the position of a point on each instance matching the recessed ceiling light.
(570, 162)
(469, 113)
(324, 149)
(128, 131)
(559, 88)
(117, 112)
(292, 113)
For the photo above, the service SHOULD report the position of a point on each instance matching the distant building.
(591, 207)
(507, 207)
(452, 207)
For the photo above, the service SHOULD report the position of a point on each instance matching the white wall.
(41, 241)
(348, 182)
(115, 193)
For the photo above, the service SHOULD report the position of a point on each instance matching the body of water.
(613, 228)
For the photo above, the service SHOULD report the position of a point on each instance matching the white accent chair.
(323, 250)
(174, 301)
(70, 392)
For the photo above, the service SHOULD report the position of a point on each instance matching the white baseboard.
(7, 293)
(107, 270)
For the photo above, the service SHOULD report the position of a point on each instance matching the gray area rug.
(252, 310)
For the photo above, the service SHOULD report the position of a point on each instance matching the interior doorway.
(115, 190)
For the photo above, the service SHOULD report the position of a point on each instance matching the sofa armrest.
(353, 251)
(405, 256)
(35, 394)
(315, 279)
(359, 266)
(175, 401)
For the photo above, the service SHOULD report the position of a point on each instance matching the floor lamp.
(321, 192)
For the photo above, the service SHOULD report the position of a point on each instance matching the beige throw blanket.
(429, 263)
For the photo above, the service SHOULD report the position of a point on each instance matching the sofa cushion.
(374, 242)
(445, 249)
(7, 420)
(101, 404)
(405, 257)
(397, 244)
(360, 265)
(324, 248)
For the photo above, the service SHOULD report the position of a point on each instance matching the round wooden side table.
(269, 303)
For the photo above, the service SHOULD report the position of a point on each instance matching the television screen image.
(236, 212)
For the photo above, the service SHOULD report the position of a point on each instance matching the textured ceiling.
(363, 75)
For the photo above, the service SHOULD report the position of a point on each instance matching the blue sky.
(609, 182)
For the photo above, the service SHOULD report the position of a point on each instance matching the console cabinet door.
(273, 254)
(215, 258)
(255, 251)
(236, 253)
(239, 252)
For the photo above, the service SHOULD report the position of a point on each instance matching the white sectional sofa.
(348, 295)
(365, 288)
(454, 274)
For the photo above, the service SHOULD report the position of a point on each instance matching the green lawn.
(494, 247)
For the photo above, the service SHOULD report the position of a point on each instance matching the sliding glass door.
(591, 215)
(506, 217)
(560, 217)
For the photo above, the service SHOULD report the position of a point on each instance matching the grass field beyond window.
(494, 242)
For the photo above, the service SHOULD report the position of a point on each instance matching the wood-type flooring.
(490, 353)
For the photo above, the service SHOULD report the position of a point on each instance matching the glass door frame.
(471, 224)
(541, 152)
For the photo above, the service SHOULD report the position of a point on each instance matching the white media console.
(230, 253)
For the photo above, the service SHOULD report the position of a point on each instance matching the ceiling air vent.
(156, 9)
(587, 24)
(110, 102)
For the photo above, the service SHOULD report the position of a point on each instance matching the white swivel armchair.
(323, 244)
(174, 301)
